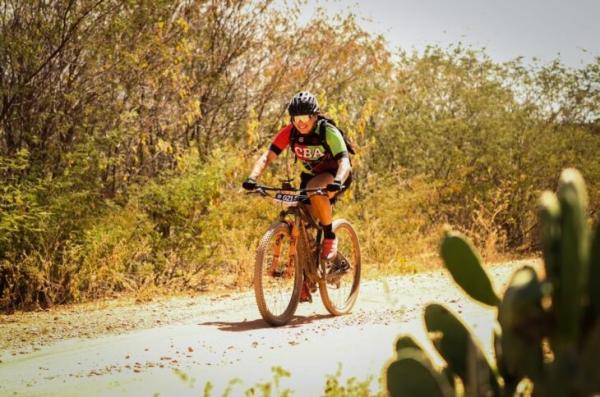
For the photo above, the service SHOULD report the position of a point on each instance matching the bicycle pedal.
(340, 266)
(345, 268)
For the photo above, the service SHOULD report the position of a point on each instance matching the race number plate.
(287, 199)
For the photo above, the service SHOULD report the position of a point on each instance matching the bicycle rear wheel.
(277, 278)
(340, 284)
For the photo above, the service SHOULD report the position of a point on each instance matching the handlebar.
(262, 190)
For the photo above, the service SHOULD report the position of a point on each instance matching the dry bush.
(392, 222)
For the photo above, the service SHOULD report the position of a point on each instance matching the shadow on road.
(242, 326)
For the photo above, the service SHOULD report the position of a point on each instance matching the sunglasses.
(303, 118)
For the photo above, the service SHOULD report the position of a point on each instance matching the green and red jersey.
(316, 156)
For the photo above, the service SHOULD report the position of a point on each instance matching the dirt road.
(173, 347)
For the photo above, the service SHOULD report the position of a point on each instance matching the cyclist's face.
(304, 123)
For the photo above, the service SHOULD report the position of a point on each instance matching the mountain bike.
(288, 256)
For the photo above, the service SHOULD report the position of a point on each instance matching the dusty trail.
(137, 349)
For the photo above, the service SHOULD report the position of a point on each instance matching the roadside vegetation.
(127, 127)
(334, 386)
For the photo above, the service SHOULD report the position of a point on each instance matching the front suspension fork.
(292, 253)
(295, 236)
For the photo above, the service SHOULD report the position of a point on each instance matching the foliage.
(482, 131)
(107, 107)
(391, 207)
(548, 330)
(334, 386)
(100, 99)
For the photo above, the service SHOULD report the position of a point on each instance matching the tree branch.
(66, 38)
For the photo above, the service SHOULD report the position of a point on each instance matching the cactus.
(412, 374)
(594, 274)
(405, 341)
(548, 330)
(521, 318)
(589, 376)
(574, 258)
(464, 264)
(510, 376)
(452, 339)
(549, 214)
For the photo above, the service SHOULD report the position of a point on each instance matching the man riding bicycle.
(324, 161)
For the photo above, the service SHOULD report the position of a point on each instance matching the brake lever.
(258, 191)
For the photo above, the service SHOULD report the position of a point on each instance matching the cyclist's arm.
(280, 142)
(335, 141)
(262, 163)
(344, 169)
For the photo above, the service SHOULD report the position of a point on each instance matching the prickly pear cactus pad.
(464, 263)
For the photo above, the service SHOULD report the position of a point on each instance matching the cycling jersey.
(315, 155)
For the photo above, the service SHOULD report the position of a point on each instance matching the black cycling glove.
(336, 186)
(249, 184)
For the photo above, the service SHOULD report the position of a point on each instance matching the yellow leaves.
(252, 125)
(364, 117)
(182, 24)
(193, 112)
(464, 171)
(143, 139)
(164, 146)
(129, 116)
(131, 58)
(183, 50)
(103, 162)
(196, 106)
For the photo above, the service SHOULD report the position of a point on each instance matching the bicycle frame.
(303, 245)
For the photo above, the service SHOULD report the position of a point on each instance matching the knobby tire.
(340, 299)
(263, 277)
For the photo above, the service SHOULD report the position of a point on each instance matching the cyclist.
(324, 161)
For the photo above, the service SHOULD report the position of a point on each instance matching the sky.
(544, 29)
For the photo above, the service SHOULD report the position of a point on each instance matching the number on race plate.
(287, 199)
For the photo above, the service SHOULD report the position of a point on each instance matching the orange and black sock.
(328, 231)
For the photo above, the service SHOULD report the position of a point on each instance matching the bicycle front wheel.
(341, 277)
(277, 278)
